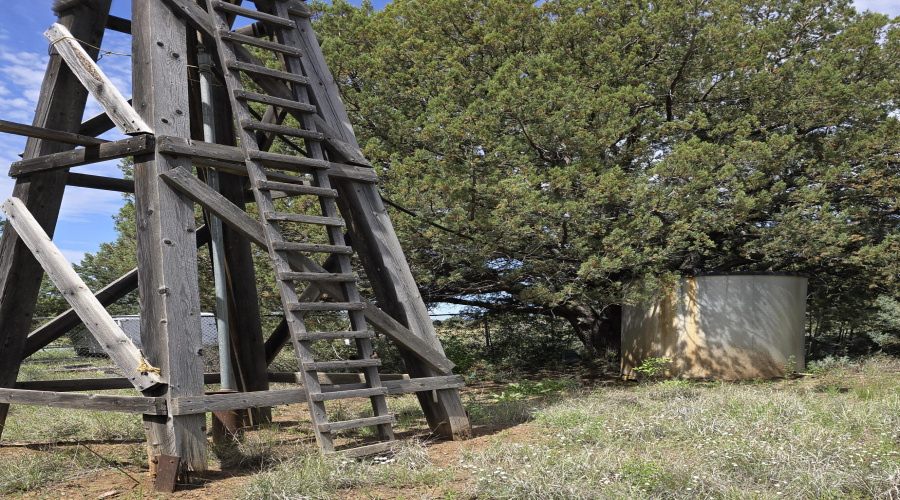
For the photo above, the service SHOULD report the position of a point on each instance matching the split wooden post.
(110, 337)
(60, 107)
(167, 257)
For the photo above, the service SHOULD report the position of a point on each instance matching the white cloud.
(73, 256)
(890, 7)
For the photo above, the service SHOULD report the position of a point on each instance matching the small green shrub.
(653, 367)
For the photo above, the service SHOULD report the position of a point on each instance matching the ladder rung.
(285, 162)
(371, 449)
(274, 101)
(305, 219)
(253, 14)
(287, 246)
(262, 70)
(355, 424)
(327, 306)
(296, 189)
(349, 363)
(353, 334)
(358, 393)
(329, 277)
(282, 130)
(257, 42)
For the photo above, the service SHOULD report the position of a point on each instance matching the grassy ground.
(831, 435)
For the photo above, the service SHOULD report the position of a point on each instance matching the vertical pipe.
(204, 61)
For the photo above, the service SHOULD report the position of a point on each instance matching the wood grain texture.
(98, 84)
(49, 135)
(83, 156)
(96, 402)
(60, 107)
(167, 256)
(101, 325)
(236, 401)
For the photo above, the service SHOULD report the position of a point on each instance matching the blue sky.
(86, 217)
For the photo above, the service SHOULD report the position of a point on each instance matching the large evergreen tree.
(554, 154)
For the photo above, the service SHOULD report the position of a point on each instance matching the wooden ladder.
(316, 183)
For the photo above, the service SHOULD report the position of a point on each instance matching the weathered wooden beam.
(167, 256)
(110, 337)
(47, 134)
(84, 156)
(58, 326)
(95, 402)
(60, 106)
(118, 24)
(98, 84)
(97, 125)
(233, 154)
(230, 214)
(62, 324)
(236, 401)
(100, 182)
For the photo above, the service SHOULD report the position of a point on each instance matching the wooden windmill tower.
(295, 103)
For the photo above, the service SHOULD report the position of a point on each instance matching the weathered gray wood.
(231, 154)
(47, 134)
(84, 156)
(96, 402)
(93, 384)
(167, 256)
(424, 384)
(258, 42)
(98, 84)
(60, 107)
(340, 365)
(252, 14)
(236, 401)
(327, 379)
(356, 423)
(97, 125)
(100, 182)
(63, 323)
(350, 394)
(110, 337)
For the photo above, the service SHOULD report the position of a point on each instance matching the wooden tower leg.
(60, 107)
(167, 257)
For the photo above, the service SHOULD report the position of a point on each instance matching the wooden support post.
(167, 257)
(60, 107)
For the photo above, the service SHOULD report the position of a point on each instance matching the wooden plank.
(96, 402)
(63, 323)
(356, 393)
(258, 42)
(60, 106)
(348, 364)
(424, 384)
(196, 190)
(100, 182)
(236, 401)
(253, 14)
(93, 384)
(110, 337)
(326, 306)
(290, 246)
(98, 84)
(118, 24)
(278, 102)
(202, 151)
(84, 156)
(356, 423)
(47, 134)
(167, 255)
(328, 379)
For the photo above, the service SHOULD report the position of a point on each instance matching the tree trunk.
(599, 332)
